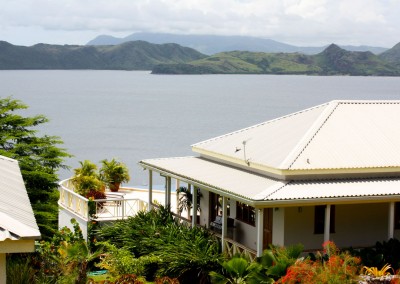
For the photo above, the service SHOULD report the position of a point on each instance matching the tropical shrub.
(113, 173)
(86, 180)
(276, 260)
(65, 257)
(185, 201)
(375, 272)
(19, 269)
(386, 252)
(176, 250)
(330, 266)
(240, 270)
(120, 261)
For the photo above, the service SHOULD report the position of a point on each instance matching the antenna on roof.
(244, 152)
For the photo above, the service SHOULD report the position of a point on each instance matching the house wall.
(355, 225)
(278, 226)
(64, 220)
(245, 234)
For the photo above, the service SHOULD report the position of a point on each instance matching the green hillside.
(332, 61)
(138, 55)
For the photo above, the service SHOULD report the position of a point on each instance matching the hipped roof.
(338, 152)
(335, 135)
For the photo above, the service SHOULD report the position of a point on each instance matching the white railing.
(73, 201)
(118, 208)
(103, 209)
(231, 248)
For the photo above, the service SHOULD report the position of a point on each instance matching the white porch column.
(391, 220)
(224, 221)
(177, 185)
(327, 223)
(189, 189)
(260, 230)
(194, 207)
(3, 277)
(168, 193)
(150, 206)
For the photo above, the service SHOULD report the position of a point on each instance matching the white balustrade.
(103, 209)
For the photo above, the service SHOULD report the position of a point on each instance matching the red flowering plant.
(329, 266)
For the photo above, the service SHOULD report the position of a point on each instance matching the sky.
(297, 22)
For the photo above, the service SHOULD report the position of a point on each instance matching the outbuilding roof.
(335, 135)
(17, 220)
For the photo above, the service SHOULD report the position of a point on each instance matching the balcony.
(126, 203)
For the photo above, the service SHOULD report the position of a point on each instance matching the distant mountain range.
(212, 44)
(171, 58)
(138, 55)
(332, 61)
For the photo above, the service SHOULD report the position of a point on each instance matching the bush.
(387, 252)
(174, 250)
(330, 266)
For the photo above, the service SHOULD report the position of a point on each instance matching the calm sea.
(136, 115)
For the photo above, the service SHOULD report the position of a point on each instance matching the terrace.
(125, 203)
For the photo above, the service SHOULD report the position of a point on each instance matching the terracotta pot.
(114, 187)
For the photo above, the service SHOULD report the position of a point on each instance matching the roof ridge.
(309, 135)
(259, 124)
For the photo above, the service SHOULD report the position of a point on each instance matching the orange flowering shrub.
(331, 266)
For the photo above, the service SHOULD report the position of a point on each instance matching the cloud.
(306, 22)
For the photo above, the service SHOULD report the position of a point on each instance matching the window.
(245, 213)
(319, 219)
(397, 216)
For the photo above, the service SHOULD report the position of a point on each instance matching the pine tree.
(39, 158)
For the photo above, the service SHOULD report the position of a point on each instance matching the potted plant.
(113, 173)
(86, 181)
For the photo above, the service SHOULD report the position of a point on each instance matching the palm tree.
(239, 270)
(185, 201)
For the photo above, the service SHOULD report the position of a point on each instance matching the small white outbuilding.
(18, 227)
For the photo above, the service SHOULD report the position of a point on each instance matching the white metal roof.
(264, 190)
(228, 179)
(17, 220)
(336, 135)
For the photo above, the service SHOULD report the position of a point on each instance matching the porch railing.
(103, 209)
(231, 248)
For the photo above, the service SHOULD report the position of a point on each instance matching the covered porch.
(264, 211)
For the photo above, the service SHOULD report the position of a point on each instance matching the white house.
(18, 228)
(331, 172)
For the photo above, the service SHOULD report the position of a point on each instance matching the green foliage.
(330, 266)
(277, 259)
(119, 261)
(39, 159)
(185, 201)
(19, 270)
(65, 258)
(381, 254)
(113, 172)
(239, 270)
(86, 179)
(175, 250)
